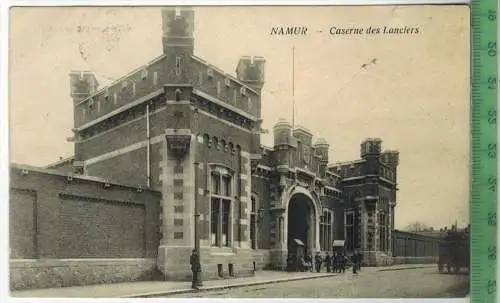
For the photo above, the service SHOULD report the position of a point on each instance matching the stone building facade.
(185, 128)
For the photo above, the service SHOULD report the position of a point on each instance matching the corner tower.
(178, 43)
(83, 84)
(178, 28)
(250, 70)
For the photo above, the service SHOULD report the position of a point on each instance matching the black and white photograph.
(239, 151)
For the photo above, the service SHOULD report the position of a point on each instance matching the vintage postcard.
(239, 151)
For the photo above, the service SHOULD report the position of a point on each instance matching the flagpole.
(293, 87)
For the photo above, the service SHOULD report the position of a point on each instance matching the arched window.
(206, 139)
(215, 142)
(178, 94)
(223, 144)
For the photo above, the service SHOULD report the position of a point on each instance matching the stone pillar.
(177, 204)
(377, 236)
(245, 200)
(389, 233)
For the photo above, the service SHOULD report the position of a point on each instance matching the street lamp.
(196, 202)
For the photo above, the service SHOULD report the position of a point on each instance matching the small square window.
(210, 73)
(144, 73)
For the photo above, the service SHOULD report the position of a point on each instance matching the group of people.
(336, 263)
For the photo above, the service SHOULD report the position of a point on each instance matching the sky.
(414, 95)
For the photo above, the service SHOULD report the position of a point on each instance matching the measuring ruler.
(484, 152)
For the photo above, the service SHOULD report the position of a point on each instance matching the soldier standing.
(359, 258)
(195, 269)
(328, 262)
(318, 260)
(336, 262)
(355, 263)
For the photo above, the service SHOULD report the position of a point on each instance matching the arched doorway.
(301, 225)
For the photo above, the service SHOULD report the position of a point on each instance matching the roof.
(60, 162)
(233, 78)
(124, 77)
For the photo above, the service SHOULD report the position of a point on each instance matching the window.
(253, 224)
(226, 182)
(220, 213)
(215, 183)
(350, 231)
(115, 98)
(155, 78)
(133, 89)
(178, 66)
(218, 88)
(326, 230)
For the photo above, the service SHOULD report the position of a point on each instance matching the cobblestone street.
(410, 283)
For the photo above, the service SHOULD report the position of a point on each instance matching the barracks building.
(176, 131)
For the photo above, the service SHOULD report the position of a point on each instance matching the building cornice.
(208, 65)
(123, 78)
(121, 109)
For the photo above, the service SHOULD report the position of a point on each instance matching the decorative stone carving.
(178, 144)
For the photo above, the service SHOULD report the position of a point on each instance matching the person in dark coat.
(194, 260)
(328, 262)
(343, 262)
(309, 261)
(359, 258)
(354, 263)
(318, 261)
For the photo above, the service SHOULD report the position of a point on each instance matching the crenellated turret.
(390, 158)
(178, 28)
(83, 84)
(282, 133)
(322, 147)
(250, 70)
(371, 147)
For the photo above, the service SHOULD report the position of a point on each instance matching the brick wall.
(128, 168)
(22, 214)
(414, 248)
(54, 217)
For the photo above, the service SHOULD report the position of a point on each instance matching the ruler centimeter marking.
(484, 151)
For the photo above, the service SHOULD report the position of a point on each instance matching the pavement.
(410, 283)
(144, 289)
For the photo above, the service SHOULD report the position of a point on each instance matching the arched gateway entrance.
(301, 225)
